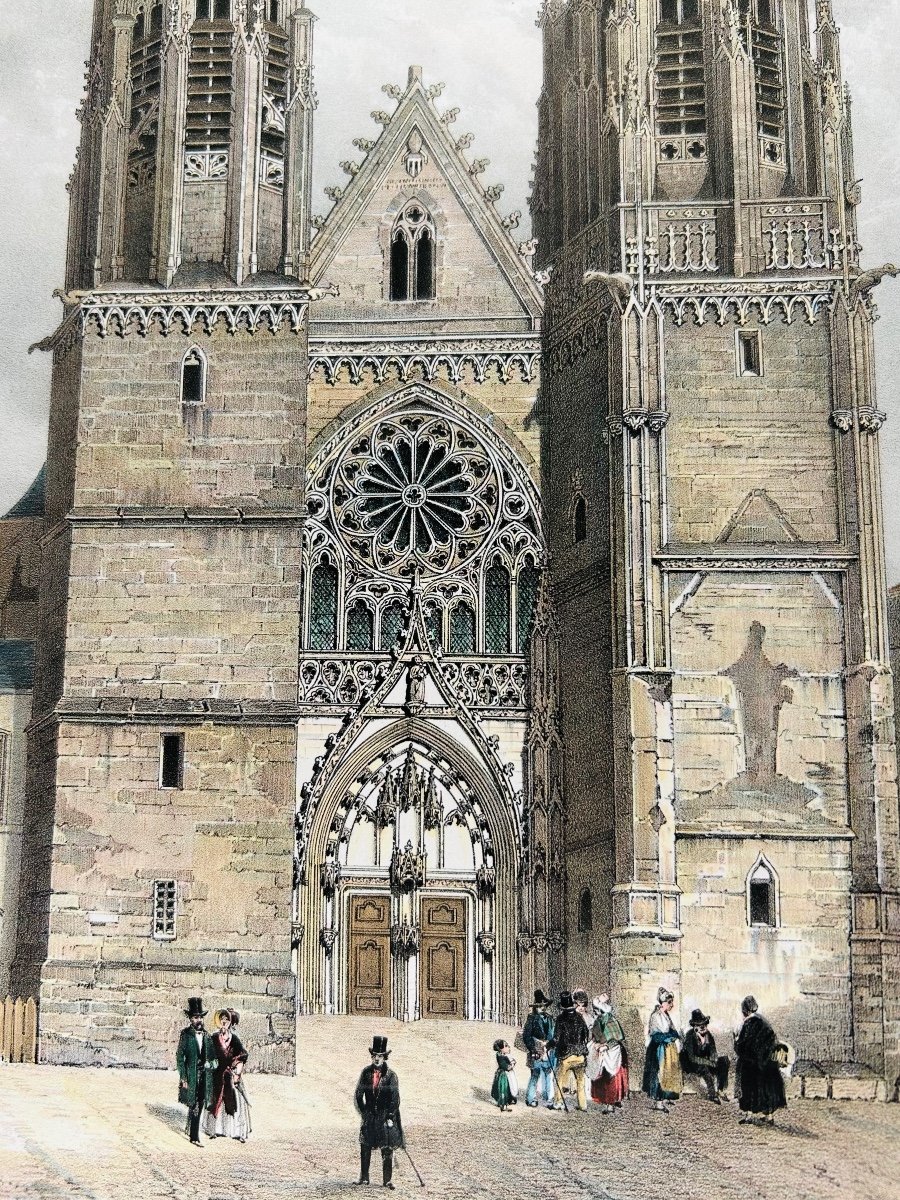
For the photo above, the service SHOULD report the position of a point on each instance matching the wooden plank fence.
(18, 1030)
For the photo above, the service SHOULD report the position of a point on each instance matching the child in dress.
(505, 1089)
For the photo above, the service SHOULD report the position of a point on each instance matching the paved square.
(69, 1134)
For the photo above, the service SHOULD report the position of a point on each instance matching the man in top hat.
(378, 1103)
(570, 1039)
(537, 1035)
(196, 1062)
(699, 1057)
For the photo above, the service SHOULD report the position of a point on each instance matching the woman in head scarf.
(662, 1068)
(610, 1086)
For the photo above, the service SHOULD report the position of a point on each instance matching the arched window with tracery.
(360, 627)
(413, 245)
(420, 490)
(323, 607)
(496, 609)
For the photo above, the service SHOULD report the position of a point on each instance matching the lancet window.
(419, 491)
(412, 258)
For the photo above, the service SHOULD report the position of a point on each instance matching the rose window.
(416, 491)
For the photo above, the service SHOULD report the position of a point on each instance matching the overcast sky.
(488, 54)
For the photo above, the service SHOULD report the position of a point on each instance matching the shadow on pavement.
(169, 1114)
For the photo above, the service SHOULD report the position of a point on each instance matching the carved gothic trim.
(330, 877)
(636, 419)
(123, 313)
(487, 944)
(509, 357)
(407, 869)
(328, 938)
(753, 561)
(95, 710)
(405, 939)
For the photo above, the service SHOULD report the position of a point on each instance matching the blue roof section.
(16, 665)
(32, 503)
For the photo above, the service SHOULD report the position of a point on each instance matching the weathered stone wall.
(189, 613)
(730, 435)
(203, 222)
(110, 993)
(799, 971)
(139, 446)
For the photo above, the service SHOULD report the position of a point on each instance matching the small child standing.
(505, 1089)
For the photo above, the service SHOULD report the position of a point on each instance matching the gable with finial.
(416, 185)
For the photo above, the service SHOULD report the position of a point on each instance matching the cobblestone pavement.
(118, 1135)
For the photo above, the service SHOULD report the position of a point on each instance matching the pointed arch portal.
(429, 823)
(413, 856)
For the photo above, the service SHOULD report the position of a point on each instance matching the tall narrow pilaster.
(298, 145)
(242, 206)
(173, 95)
(115, 120)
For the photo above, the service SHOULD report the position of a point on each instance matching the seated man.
(698, 1057)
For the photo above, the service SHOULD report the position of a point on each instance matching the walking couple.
(210, 1075)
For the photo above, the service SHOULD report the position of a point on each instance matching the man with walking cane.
(378, 1103)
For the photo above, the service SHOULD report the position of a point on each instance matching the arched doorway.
(415, 858)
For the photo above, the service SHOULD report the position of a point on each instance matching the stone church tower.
(712, 479)
(295, 736)
(161, 789)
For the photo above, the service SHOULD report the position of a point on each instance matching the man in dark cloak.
(759, 1073)
(196, 1060)
(378, 1103)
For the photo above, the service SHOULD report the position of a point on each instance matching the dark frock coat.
(379, 1108)
(759, 1076)
(193, 1068)
(222, 1090)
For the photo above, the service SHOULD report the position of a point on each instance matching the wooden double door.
(442, 957)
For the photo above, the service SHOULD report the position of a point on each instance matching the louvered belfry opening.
(274, 103)
(208, 130)
(767, 49)
(680, 82)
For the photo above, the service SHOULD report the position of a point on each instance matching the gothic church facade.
(379, 669)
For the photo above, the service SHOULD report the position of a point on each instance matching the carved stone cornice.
(179, 517)
(510, 357)
(125, 312)
(704, 559)
(118, 710)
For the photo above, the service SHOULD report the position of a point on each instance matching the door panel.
(369, 983)
(443, 958)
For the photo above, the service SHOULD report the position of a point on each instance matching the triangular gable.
(759, 520)
(416, 154)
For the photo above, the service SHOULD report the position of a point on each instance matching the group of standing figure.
(585, 1043)
(210, 1075)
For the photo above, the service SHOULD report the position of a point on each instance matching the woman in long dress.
(610, 1087)
(505, 1088)
(662, 1068)
(228, 1112)
(760, 1081)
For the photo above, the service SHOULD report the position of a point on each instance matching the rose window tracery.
(415, 491)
